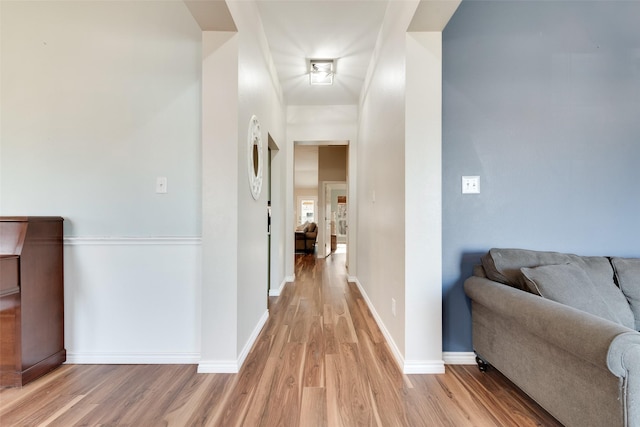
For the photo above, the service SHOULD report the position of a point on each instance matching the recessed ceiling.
(299, 30)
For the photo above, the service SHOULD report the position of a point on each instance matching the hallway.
(319, 361)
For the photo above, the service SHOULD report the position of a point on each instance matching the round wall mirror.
(254, 154)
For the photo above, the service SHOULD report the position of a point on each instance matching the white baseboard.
(390, 342)
(218, 367)
(132, 358)
(252, 339)
(233, 366)
(278, 291)
(459, 358)
(423, 367)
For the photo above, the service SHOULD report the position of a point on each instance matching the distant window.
(307, 211)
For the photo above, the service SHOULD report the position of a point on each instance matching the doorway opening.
(320, 178)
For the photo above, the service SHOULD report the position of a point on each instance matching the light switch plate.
(470, 185)
(161, 184)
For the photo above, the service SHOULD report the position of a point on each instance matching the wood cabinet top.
(30, 218)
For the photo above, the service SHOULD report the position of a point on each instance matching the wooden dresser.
(31, 298)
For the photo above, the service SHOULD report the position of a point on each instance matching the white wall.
(399, 224)
(235, 241)
(219, 201)
(381, 176)
(423, 203)
(98, 99)
(132, 300)
(259, 94)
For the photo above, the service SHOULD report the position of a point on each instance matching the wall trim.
(278, 291)
(130, 241)
(218, 367)
(459, 357)
(390, 342)
(423, 367)
(252, 339)
(132, 358)
(233, 366)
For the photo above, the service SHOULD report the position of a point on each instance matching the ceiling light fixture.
(321, 71)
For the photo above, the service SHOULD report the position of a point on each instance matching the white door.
(327, 220)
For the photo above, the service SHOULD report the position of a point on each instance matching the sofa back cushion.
(570, 285)
(600, 271)
(628, 274)
(504, 266)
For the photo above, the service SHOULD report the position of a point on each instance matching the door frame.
(324, 238)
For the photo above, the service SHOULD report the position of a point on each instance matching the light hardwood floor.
(319, 361)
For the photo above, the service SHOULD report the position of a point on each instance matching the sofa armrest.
(624, 362)
(624, 354)
(588, 337)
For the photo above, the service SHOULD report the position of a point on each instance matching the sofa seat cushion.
(628, 274)
(570, 285)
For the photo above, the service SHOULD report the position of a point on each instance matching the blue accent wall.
(541, 99)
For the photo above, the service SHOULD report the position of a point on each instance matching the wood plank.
(385, 382)
(350, 389)
(238, 401)
(285, 397)
(332, 363)
(330, 341)
(263, 393)
(201, 401)
(314, 362)
(158, 396)
(301, 322)
(313, 408)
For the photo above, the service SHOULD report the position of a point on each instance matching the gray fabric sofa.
(564, 329)
(305, 237)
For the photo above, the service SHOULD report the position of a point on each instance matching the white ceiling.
(344, 30)
(299, 30)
